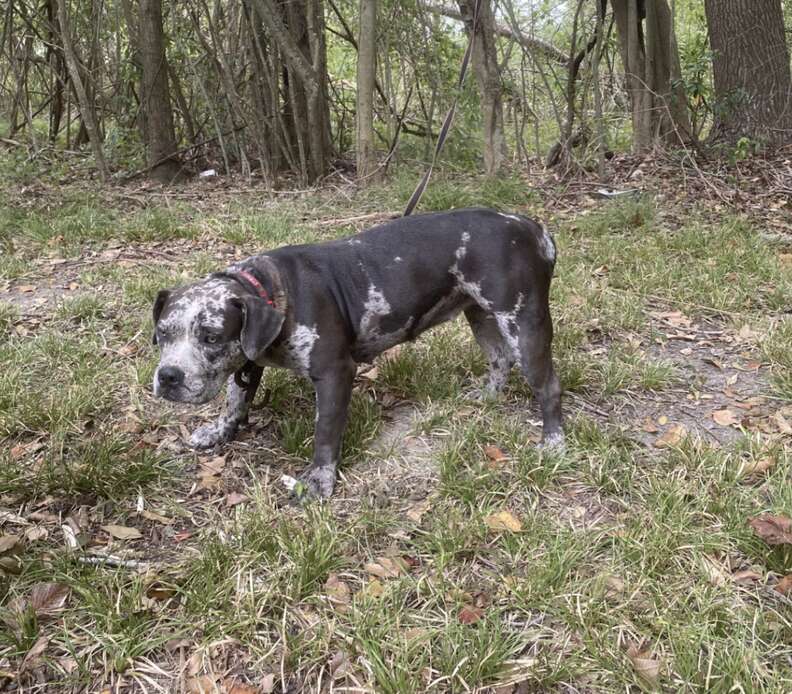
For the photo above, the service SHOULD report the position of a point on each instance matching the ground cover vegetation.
(653, 554)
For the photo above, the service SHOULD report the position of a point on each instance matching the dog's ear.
(261, 324)
(159, 304)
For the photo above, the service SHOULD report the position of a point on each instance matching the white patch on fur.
(397, 259)
(511, 216)
(546, 245)
(509, 327)
(300, 345)
(375, 307)
(472, 289)
(554, 442)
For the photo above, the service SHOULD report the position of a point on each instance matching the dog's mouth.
(192, 396)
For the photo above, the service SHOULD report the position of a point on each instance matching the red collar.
(256, 285)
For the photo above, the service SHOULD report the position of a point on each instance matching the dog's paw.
(553, 443)
(211, 435)
(317, 482)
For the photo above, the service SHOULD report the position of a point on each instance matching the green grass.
(619, 543)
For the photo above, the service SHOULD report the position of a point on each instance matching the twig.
(111, 560)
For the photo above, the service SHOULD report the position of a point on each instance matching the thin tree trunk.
(86, 108)
(155, 94)
(485, 67)
(366, 67)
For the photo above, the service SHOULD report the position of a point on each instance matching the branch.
(527, 42)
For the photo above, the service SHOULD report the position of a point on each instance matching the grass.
(620, 544)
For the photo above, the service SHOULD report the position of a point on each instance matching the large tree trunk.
(651, 67)
(485, 67)
(366, 66)
(751, 70)
(155, 94)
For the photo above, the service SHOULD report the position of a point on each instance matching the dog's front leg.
(226, 426)
(333, 393)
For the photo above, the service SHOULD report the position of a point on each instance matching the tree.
(751, 70)
(366, 67)
(155, 94)
(651, 65)
(485, 67)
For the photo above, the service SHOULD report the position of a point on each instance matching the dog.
(321, 309)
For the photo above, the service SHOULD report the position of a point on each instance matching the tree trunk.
(751, 70)
(485, 67)
(366, 66)
(297, 28)
(651, 67)
(86, 107)
(155, 94)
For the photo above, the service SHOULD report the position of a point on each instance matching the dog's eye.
(210, 339)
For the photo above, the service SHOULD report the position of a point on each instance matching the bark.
(297, 28)
(485, 67)
(366, 66)
(155, 94)
(651, 66)
(751, 70)
(87, 111)
(530, 43)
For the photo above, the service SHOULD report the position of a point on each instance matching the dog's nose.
(170, 376)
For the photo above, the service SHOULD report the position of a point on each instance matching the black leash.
(441, 138)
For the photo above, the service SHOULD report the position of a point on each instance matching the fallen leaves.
(774, 530)
(470, 614)
(503, 521)
(784, 586)
(646, 667)
(339, 593)
(757, 467)
(672, 437)
(122, 532)
(209, 473)
(725, 418)
(387, 567)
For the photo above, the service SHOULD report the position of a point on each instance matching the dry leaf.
(154, 516)
(672, 437)
(757, 467)
(36, 533)
(470, 614)
(416, 511)
(26, 288)
(649, 426)
(725, 418)
(373, 589)
(746, 576)
(34, 653)
(714, 572)
(122, 532)
(385, 567)
(235, 498)
(8, 542)
(645, 666)
(202, 685)
(47, 598)
(784, 586)
(340, 664)
(338, 592)
(214, 466)
(267, 684)
(495, 454)
(774, 530)
(783, 425)
(240, 688)
(503, 520)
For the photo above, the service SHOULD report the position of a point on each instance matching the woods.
(287, 88)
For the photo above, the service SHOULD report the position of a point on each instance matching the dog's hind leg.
(534, 338)
(226, 426)
(499, 355)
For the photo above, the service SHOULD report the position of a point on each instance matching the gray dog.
(321, 309)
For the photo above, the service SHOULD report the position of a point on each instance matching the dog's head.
(207, 331)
